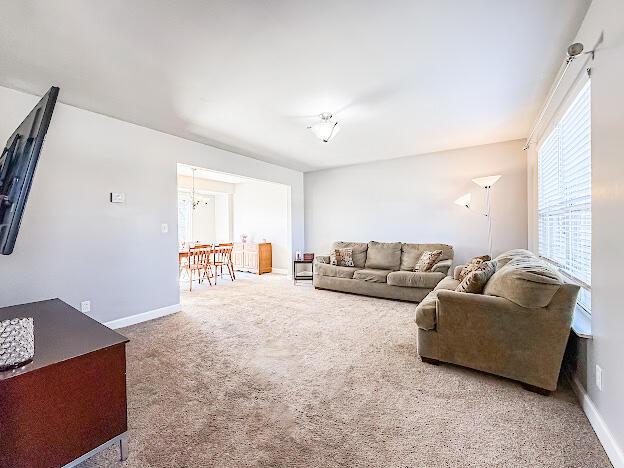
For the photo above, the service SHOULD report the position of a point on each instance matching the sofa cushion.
(447, 283)
(426, 311)
(371, 275)
(475, 281)
(525, 280)
(358, 251)
(383, 255)
(411, 253)
(415, 279)
(324, 269)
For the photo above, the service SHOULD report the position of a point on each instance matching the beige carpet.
(262, 373)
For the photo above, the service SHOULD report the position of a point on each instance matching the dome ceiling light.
(326, 129)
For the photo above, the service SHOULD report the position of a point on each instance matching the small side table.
(300, 277)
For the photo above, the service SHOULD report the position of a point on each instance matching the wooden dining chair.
(198, 260)
(222, 256)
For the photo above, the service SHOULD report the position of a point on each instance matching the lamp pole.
(489, 217)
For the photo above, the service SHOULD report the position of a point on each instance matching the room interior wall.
(605, 408)
(260, 211)
(411, 200)
(76, 245)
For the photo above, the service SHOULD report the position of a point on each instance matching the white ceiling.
(403, 77)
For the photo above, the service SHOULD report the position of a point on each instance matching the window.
(564, 194)
(185, 218)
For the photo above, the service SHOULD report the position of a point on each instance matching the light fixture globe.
(464, 200)
(326, 129)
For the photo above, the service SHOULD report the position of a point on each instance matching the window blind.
(564, 194)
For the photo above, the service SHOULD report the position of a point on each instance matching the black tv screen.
(17, 167)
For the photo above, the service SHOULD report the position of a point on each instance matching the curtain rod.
(574, 51)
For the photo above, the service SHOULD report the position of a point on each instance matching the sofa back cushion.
(411, 253)
(383, 255)
(525, 280)
(358, 251)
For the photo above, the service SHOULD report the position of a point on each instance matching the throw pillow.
(476, 280)
(342, 257)
(472, 265)
(427, 260)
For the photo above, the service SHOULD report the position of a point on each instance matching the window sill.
(581, 324)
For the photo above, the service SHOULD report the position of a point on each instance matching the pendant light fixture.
(326, 129)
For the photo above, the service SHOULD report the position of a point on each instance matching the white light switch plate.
(118, 197)
(164, 228)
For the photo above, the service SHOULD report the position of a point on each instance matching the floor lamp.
(465, 200)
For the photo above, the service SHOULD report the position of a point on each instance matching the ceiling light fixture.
(326, 129)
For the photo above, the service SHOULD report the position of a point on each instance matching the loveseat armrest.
(495, 335)
(457, 271)
(321, 259)
(442, 266)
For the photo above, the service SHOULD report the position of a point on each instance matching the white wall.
(75, 245)
(411, 200)
(261, 211)
(607, 103)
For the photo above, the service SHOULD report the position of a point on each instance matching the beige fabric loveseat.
(383, 269)
(518, 328)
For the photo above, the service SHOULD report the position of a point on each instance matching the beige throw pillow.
(427, 260)
(473, 265)
(342, 257)
(475, 281)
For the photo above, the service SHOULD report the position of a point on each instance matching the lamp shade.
(487, 181)
(464, 200)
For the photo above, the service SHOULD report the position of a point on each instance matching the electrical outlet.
(85, 306)
(164, 228)
(598, 377)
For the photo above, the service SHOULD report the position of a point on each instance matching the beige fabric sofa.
(383, 269)
(518, 328)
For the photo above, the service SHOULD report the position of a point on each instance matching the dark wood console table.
(70, 401)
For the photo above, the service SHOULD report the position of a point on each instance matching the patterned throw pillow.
(473, 265)
(475, 281)
(342, 257)
(427, 260)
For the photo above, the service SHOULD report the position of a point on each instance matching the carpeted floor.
(262, 373)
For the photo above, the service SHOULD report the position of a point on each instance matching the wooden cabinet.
(252, 257)
(70, 401)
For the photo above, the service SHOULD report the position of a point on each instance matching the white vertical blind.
(564, 194)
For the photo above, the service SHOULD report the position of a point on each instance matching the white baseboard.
(614, 452)
(279, 271)
(143, 316)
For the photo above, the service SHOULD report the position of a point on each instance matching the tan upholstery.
(384, 278)
(383, 255)
(415, 279)
(325, 269)
(494, 334)
(371, 275)
(359, 251)
(365, 288)
(526, 281)
(447, 283)
(411, 254)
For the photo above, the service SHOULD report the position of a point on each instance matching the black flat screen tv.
(17, 167)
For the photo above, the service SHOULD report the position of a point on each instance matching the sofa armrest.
(457, 271)
(442, 266)
(321, 259)
(495, 335)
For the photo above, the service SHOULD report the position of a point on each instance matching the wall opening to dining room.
(217, 208)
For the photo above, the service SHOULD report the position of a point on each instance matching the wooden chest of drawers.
(253, 257)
